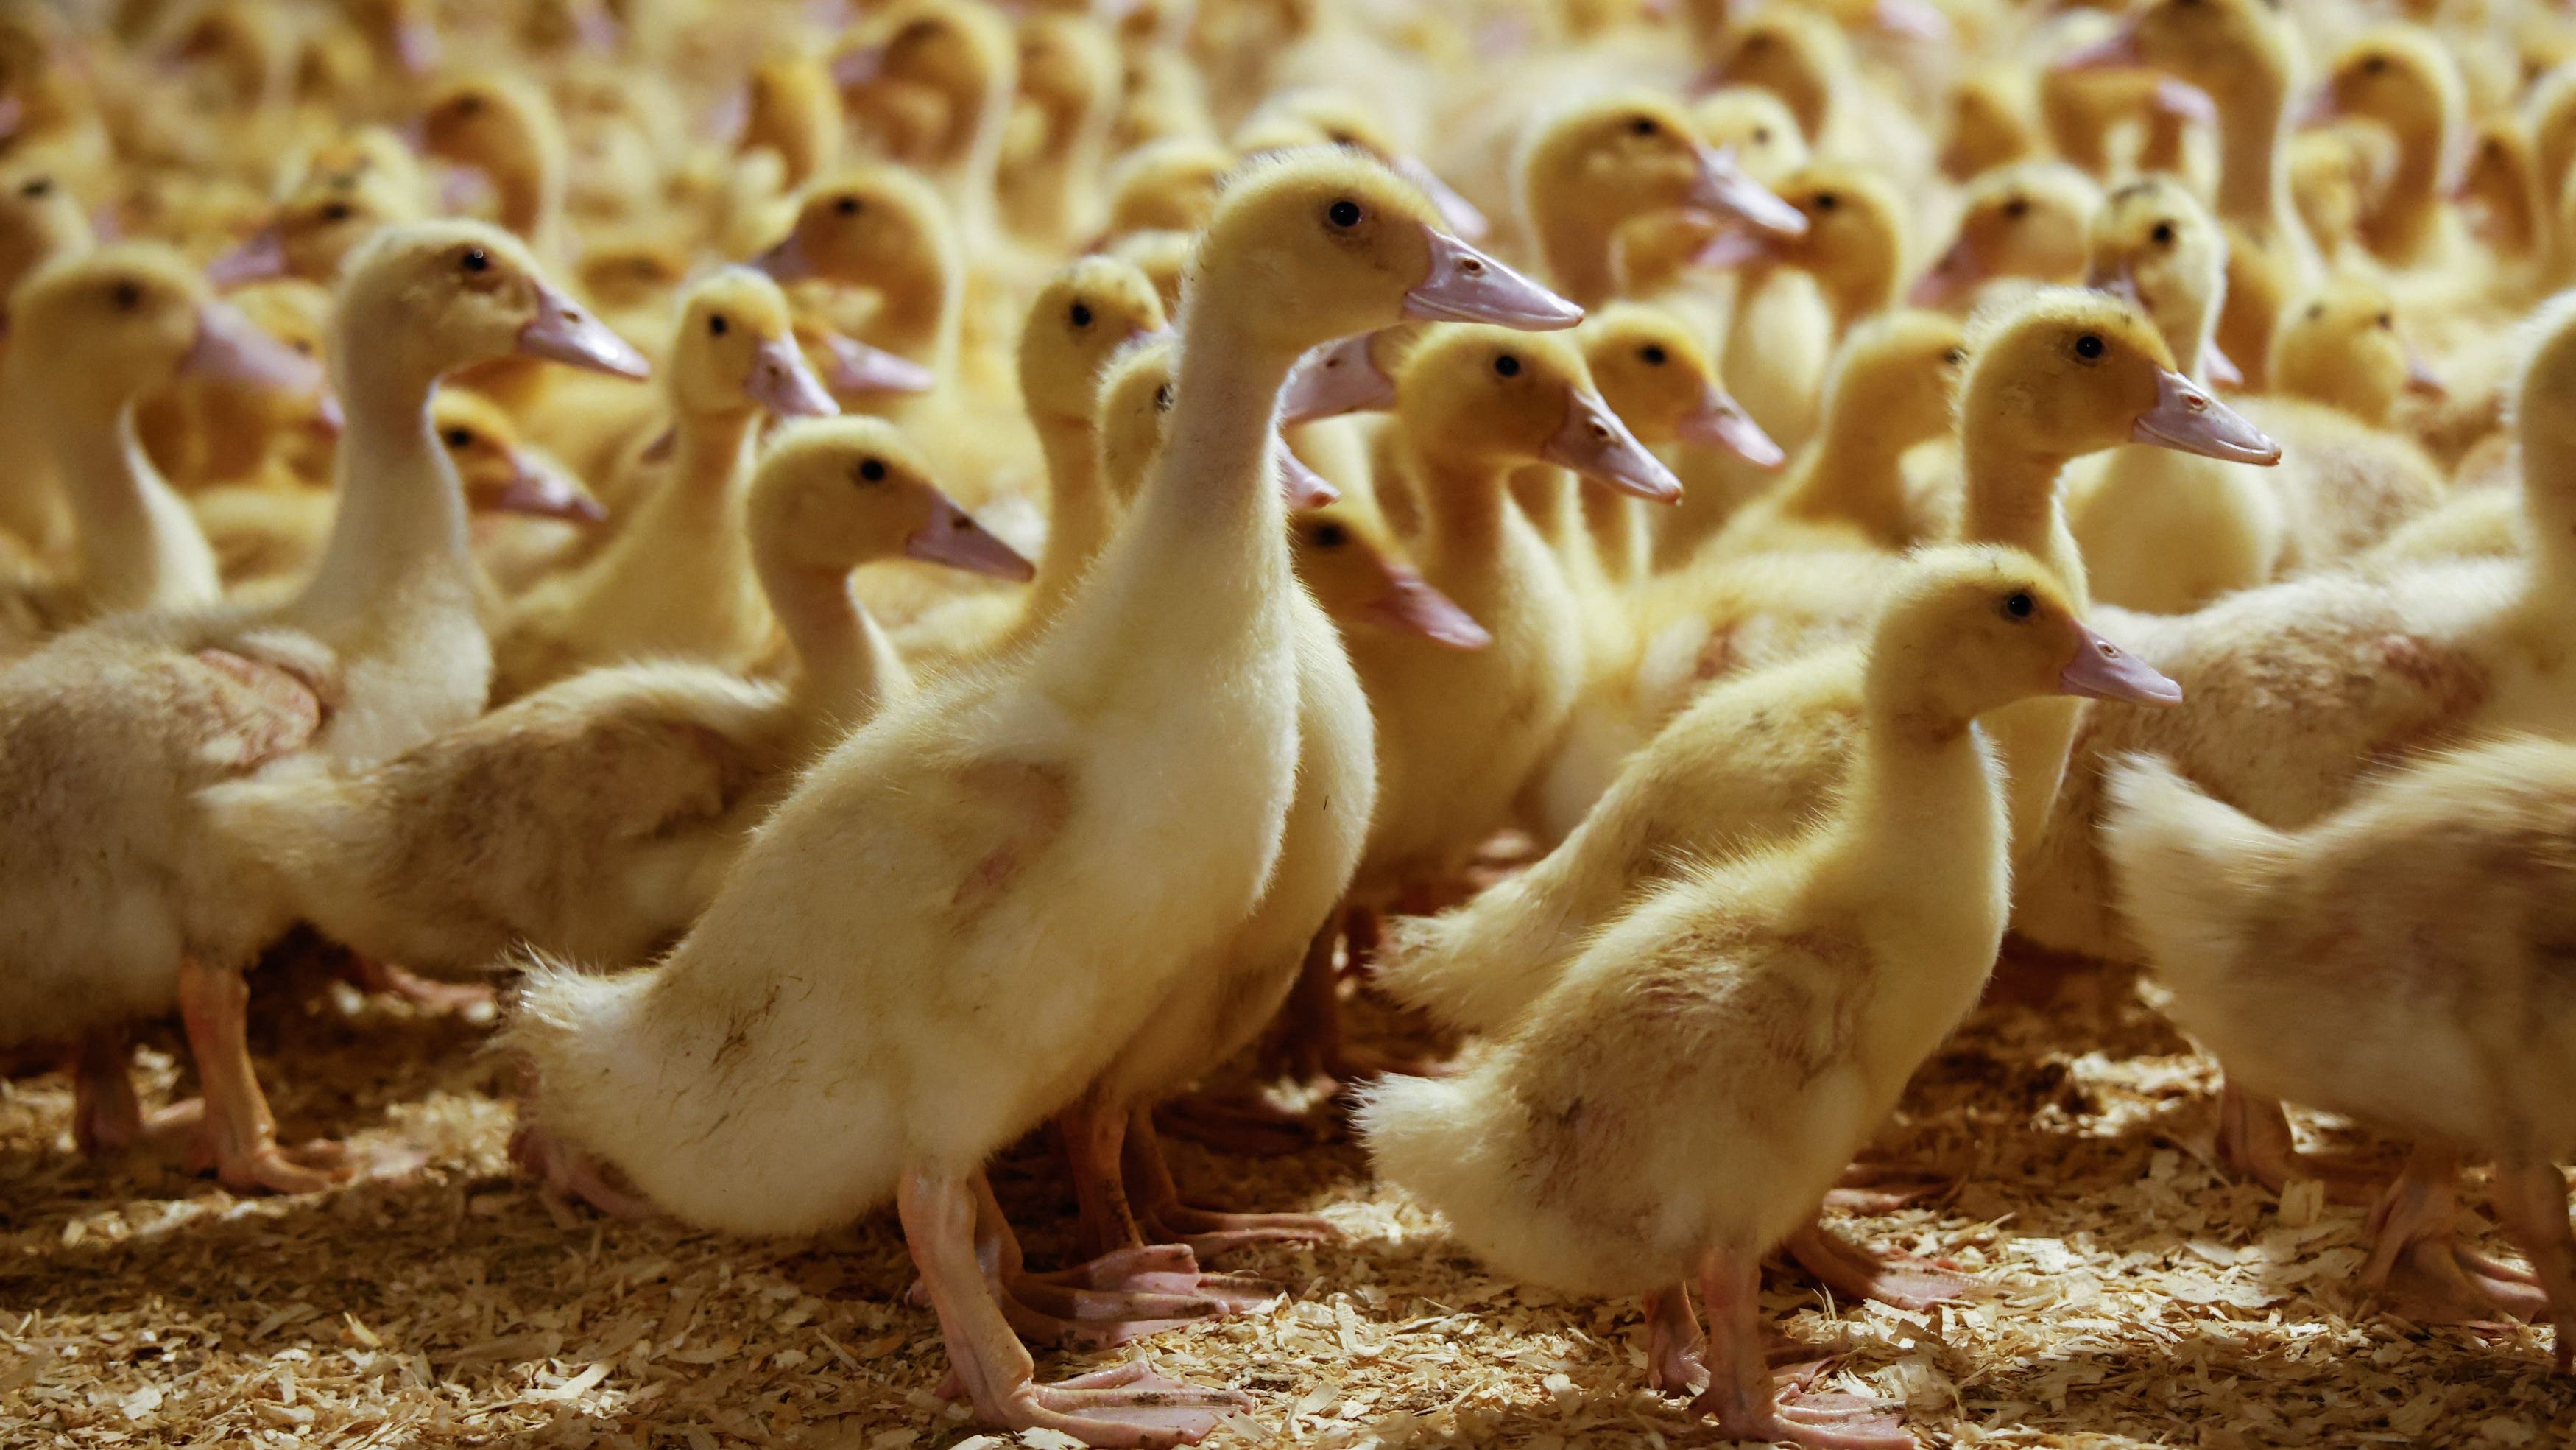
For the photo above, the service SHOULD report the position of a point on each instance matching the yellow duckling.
(1685, 1094)
(40, 220)
(1166, 186)
(211, 432)
(592, 818)
(2028, 221)
(2405, 80)
(1315, 116)
(882, 229)
(679, 580)
(1804, 58)
(311, 234)
(1059, 136)
(792, 110)
(507, 130)
(1993, 121)
(929, 83)
(1657, 377)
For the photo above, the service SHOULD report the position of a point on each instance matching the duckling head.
(631, 273)
(1068, 68)
(1992, 124)
(1900, 374)
(313, 233)
(1965, 629)
(1655, 375)
(2232, 49)
(1167, 185)
(736, 351)
(1331, 243)
(2064, 372)
(791, 107)
(1623, 155)
(1851, 241)
(832, 494)
(501, 473)
(2498, 183)
(40, 220)
(431, 297)
(369, 153)
(872, 226)
(498, 124)
(1756, 127)
(2154, 244)
(1080, 319)
(959, 54)
(1136, 394)
(2400, 77)
(1352, 564)
(256, 413)
(1792, 52)
(1492, 400)
(90, 334)
(2343, 348)
(2031, 220)
(1317, 116)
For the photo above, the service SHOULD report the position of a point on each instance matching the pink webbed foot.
(1750, 1402)
(1127, 1405)
(1673, 1362)
(1207, 1232)
(2254, 1141)
(565, 1173)
(474, 1001)
(1855, 1273)
(1867, 1188)
(1124, 1296)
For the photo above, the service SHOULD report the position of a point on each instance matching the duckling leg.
(1741, 1392)
(2414, 1230)
(1127, 1293)
(1310, 1043)
(2531, 1198)
(2254, 1140)
(1673, 1342)
(472, 1000)
(1127, 1406)
(1207, 1232)
(240, 1135)
(106, 1118)
(1857, 1273)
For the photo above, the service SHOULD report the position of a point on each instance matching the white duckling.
(114, 899)
(1001, 944)
(592, 818)
(678, 579)
(2394, 962)
(1681, 1100)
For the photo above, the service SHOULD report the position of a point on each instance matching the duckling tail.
(2187, 866)
(1477, 968)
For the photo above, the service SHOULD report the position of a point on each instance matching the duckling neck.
(139, 545)
(1575, 241)
(2404, 220)
(1853, 473)
(846, 667)
(1211, 505)
(1080, 516)
(398, 544)
(708, 455)
(1922, 838)
(2012, 499)
(2253, 160)
(920, 315)
(1463, 510)
(2549, 501)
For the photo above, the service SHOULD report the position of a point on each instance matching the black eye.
(1081, 314)
(2316, 310)
(303, 347)
(2017, 208)
(2373, 65)
(1328, 536)
(1344, 213)
(846, 205)
(2163, 234)
(1643, 126)
(469, 105)
(1163, 398)
(460, 437)
(475, 260)
(41, 186)
(1341, 138)
(1507, 366)
(1827, 201)
(1653, 353)
(717, 326)
(2090, 347)
(2020, 605)
(2384, 322)
(872, 470)
(1761, 135)
(1954, 356)
(127, 296)
(337, 211)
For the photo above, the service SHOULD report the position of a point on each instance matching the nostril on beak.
(1472, 267)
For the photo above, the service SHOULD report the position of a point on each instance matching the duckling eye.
(2017, 208)
(1827, 201)
(337, 211)
(1328, 536)
(2316, 310)
(1341, 138)
(1507, 366)
(1163, 398)
(2020, 605)
(871, 470)
(1643, 126)
(845, 205)
(469, 105)
(2373, 65)
(460, 437)
(2090, 347)
(1653, 353)
(1344, 214)
(303, 346)
(2384, 322)
(718, 326)
(41, 186)
(127, 297)
(1081, 314)
(2163, 234)
(1761, 135)
(1952, 357)
(475, 260)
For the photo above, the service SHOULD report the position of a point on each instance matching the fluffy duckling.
(90, 337)
(2405, 80)
(506, 129)
(2389, 963)
(1893, 386)
(2029, 221)
(1657, 377)
(1315, 116)
(2343, 350)
(792, 109)
(312, 233)
(1627, 1137)
(40, 220)
(207, 432)
(1011, 808)
(1591, 167)
(592, 818)
(929, 84)
(1059, 137)
(1166, 186)
(1802, 57)
(119, 903)
(882, 229)
(1993, 121)
(679, 580)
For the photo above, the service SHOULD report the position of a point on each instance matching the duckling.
(1657, 377)
(1892, 387)
(2343, 351)
(40, 220)
(312, 233)
(207, 432)
(1802, 57)
(1993, 122)
(1028, 793)
(2386, 962)
(2241, 53)
(118, 902)
(1754, 126)
(1315, 116)
(883, 229)
(2029, 221)
(507, 130)
(2502, 191)
(792, 109)
(2336, 174)
(1059, 138)
(679, 580)
(929, 83)
(1166, 186)
(90, 336)
(1595, 164)
(592, 818)
(1626, 1137)
(2405, 80)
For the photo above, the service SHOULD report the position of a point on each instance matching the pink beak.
(2189, 420)
(782, 383)
(541, 490)
(1723, 187)
(260, 256)
(2421, 380)
(859, 368)
(2222, 369)
(1301, 486)
(787, 261)
(1721, 422)
(563, 333)
(1337, 378)
(2102, 670)
(231, 347)
(952, 537)
(1954, 276)
(1465, 285)
(1597, 445)
(1411, 606)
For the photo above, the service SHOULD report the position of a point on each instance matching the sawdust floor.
(2138, 1296)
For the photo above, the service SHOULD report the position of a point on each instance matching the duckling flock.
(1655, 535)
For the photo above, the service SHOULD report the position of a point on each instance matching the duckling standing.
(1684, 1096)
